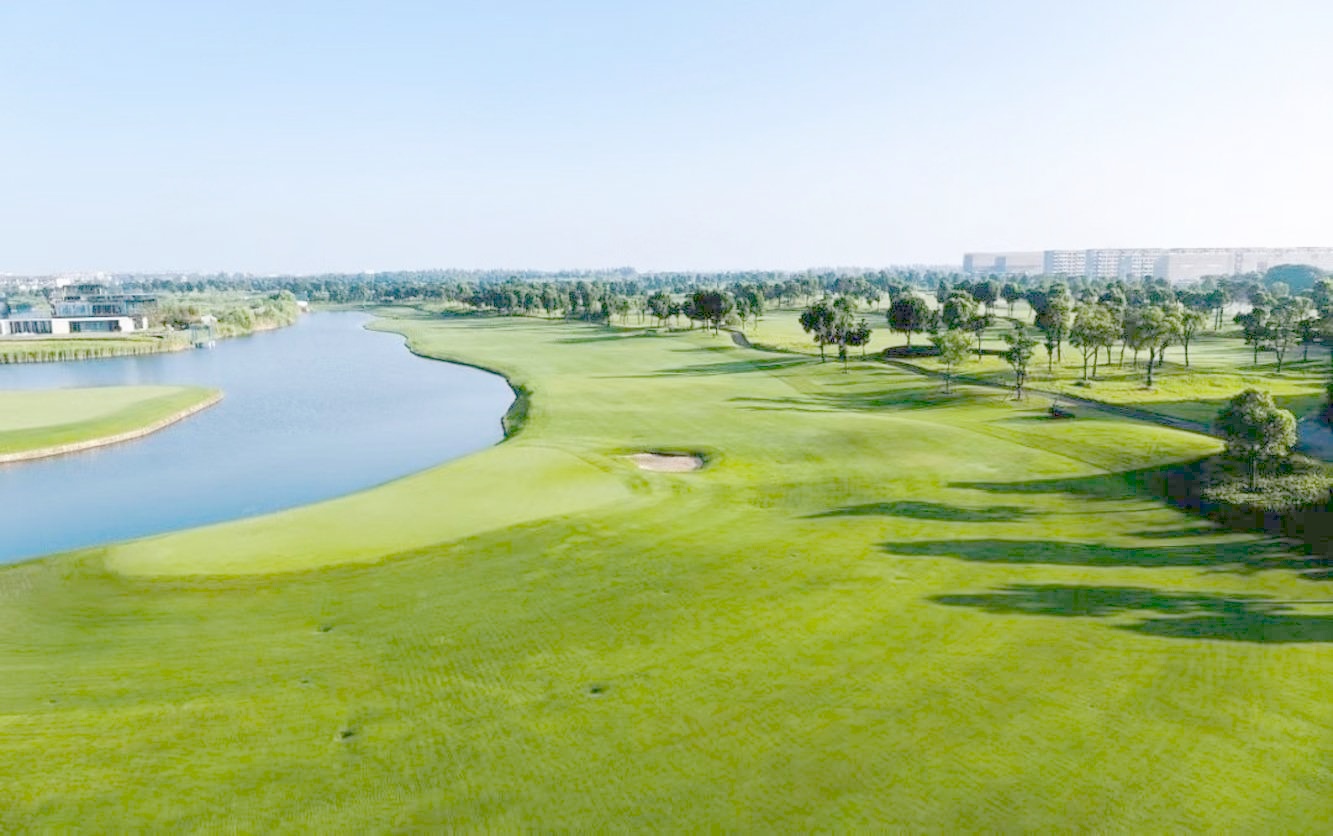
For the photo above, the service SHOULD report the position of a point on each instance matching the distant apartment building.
(82, 309)
(1003, 264)
(1176, 265)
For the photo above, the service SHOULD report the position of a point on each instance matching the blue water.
(310, 412)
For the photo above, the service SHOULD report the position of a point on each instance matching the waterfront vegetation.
(234, 313)
(54, 349)
(878, 605)
(40, 420)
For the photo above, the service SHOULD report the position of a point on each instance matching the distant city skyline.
(1176, 264)
(309, 137)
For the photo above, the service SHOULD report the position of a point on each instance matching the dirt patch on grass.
(667, 462)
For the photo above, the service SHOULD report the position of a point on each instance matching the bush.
(1296, 482)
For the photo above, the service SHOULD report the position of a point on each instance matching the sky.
(292, 137)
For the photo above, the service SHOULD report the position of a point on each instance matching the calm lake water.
(310, 412)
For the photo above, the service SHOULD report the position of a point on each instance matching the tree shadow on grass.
(1177, 615)
(899, 399)
(1244, 556)
(928, 511)
(1109, 486)
(617, 336)
(765, 364)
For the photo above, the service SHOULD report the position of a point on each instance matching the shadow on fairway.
(730, 367)
(618, 336)
(1245, 556)
(906, 398)
(928, 511)
(1175, 615)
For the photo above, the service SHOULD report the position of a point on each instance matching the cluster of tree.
(1277, 324)
(835, 322)
(235, 313)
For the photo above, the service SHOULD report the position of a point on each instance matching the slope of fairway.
(33, 421)
(876, 606)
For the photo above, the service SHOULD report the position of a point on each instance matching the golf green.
(875, 606)
(33, 422)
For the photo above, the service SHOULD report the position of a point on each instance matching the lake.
(314, 411)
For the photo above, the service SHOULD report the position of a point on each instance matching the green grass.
(36, 420)
(876, 607)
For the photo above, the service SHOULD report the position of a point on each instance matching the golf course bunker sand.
(667, 462)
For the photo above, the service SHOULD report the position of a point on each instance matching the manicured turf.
(877, 606)
(36, 420)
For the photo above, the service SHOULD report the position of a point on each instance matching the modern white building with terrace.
(82, 309)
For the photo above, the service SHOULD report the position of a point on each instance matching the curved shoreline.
(108, 440)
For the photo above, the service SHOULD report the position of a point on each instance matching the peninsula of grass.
(877, 607)
(40, 423)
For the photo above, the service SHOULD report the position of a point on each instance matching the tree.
(955, 349)
(958, 310)
(1155, 328)
(1053, 321)
(1019, 354)
(1321, 296)
(1284, 325)
(818, 321)
(1256, 430)
(1191, 320)
(985, 292)
(1254, 329)
(910, 314)
(659, 305)
(978, 325)
(844, 326)
(749, 302)
(1011, 294)
(857, 336)
(712, 306)
(1094, 328)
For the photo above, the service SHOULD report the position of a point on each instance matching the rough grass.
(35, 420)
(48, 349)
(878, 607)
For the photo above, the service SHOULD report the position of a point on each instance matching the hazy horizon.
(152, 137)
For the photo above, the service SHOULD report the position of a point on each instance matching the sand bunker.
(662, 463)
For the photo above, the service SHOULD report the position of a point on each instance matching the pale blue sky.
(303, 137)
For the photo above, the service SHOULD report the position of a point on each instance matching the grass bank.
(36, 424)
(877, 606)
(56, 349)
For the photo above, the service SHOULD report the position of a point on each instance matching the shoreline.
(108, 440)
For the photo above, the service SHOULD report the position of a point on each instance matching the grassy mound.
(39, 420)
(879, 606)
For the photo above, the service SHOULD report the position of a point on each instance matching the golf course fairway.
(874, 606)
(45, 422)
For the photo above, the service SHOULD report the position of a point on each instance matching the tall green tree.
(1094, 328)
(713, 306)
(659, 305)
(1019, 355)
(1256, 430)
(958, 310)
(955, 349)
(818, 321)
(909, 315)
